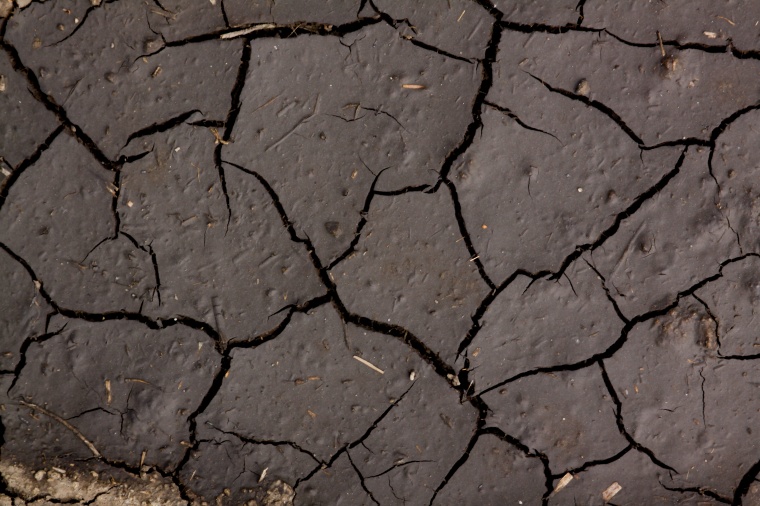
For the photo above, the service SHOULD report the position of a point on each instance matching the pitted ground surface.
(379, 252)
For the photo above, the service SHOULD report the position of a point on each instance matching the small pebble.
(333, 228)
(583, 88)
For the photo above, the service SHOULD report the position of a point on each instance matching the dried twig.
(65, 424)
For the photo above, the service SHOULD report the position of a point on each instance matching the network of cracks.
(400, 253)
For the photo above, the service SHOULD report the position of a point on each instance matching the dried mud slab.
(510, 474)
(458, 28)
(131, 78)
(389, 277)
(235, 471)
(176, 20)
(539, 324)
(677, 238)
(408, 454)
(731, 305)
(699, 22)
(524, 12)
(526, 194)
(66, 194)
(335, 12)
(734, 164)
(23, 313)
(685, 93)
(324, 397)
(545, 412)
(26, 123)
(321, 139)
(123, 409)
(340, 485)
(700, 424)
(639, 482)
(235, 275)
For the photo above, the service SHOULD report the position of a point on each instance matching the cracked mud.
(379, 252)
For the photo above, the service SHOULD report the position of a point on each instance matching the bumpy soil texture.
(379, 252)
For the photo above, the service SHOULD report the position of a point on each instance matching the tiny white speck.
(580, 190)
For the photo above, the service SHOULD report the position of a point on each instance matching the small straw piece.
(368, 364)
(109, 397)
(662, 48)
(240, 33)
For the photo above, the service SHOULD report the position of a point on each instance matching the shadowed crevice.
(50, 104)
(744, 484)
(5, 186)
(507, 112)
(594, 463)
(229, 124)
(621, 424)
(474, 257)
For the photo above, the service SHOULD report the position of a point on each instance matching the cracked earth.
(379, 252)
